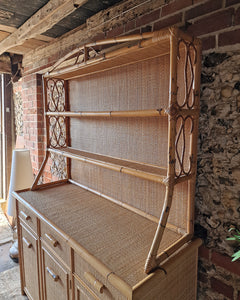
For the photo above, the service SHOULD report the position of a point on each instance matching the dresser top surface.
(116, 236)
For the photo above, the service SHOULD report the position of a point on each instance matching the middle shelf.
(141, 170)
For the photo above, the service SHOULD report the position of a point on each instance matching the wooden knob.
(98, 286)
(25, 216)
(51, 239)
(51, 273)
(28, 244)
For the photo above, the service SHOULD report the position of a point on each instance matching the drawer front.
(27, 216)
(56, 278)
(96, 282)
(82, 292)
(57, 244)
(31, 266)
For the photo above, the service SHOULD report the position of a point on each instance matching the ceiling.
(26, 25)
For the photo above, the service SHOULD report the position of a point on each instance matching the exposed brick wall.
(217, 23)
(218, 277)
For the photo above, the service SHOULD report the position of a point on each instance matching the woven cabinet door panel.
(29, 246)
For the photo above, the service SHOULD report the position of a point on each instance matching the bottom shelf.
(119, 238)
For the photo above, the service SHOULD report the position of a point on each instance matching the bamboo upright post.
(151, 262)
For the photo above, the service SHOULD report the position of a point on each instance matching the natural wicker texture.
(139, 86)
(123, 237)
(146, 195)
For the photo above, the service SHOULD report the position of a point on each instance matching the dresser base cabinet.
(87, 277)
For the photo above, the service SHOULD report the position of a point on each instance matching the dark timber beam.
(44, 19)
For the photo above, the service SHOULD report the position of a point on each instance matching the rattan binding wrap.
(107, 102)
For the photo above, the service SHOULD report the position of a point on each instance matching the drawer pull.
(54, 276)
(51, 239)
(28, 244)
(25, 216)
(94, 282)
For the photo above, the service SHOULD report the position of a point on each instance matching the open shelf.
(141, 170)
(127, 114)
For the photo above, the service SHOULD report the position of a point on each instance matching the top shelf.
(122, 51)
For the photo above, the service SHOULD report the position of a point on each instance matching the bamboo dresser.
(123, 113)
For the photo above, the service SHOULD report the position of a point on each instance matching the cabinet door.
(30, 263)
(55, 278)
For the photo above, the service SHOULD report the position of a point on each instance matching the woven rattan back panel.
(146, 195)
(133, 87)
(139, 86)
(142, 85)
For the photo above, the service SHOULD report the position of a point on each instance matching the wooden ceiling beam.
(5, 64)
(44, 19)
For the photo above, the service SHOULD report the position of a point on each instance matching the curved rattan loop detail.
(188, 66)
(180, 157)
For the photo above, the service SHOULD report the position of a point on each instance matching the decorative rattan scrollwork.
(183, 165)
(56, 103)
(190, 61)
(183, 155)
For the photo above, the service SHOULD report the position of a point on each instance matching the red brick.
(214, 22)
(149, 18)
(231, 2)
(225, 262)
(208, 42)
(175, 6)
(204, 252)
(237, 17)
(229, 38)
(202, 277)
(130, 25)
(222, 288)
(202, 9)
(173, 20)
(115, 32)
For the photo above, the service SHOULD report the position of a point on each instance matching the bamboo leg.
(151, 261)
(40, 172)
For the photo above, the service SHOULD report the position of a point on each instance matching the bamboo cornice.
(154, 36)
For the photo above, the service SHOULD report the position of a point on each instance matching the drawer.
(27, 216)
(56, 242)
(82, 292)
(95, 281)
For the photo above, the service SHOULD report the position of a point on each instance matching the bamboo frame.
(151, 262)
(175, 111)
